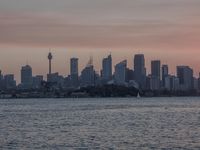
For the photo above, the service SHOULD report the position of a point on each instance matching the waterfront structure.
(185, 75)
(107, 68)
(26, 77)
(74, 72)
(120, 73)
(140, 70)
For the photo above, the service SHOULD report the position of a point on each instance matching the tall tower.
(140, 70)
(74, 71)
(50, 57)
(107, 68)
(155, 68)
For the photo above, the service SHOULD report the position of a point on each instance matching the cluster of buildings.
(158, 79)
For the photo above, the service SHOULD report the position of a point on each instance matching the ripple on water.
(161, 123)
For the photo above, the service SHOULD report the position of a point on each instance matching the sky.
(168, 30)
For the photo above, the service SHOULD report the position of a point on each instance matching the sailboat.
(138, 95)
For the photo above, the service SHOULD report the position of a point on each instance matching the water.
(122, 123)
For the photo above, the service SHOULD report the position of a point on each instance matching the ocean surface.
(100, 123)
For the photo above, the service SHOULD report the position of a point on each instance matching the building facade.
(120, 73)
(140, 70)
(26, 76)
(74, 72)
(107, 68)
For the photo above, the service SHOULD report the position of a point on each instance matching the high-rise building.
(185, 75)
(26, 76)
(171, 83)
(37, 81)
(10, 82)
(154, 83)
(88, 76)
(107, 68)
(1, 76)
(155, 74)
(74, 71)
(2, 84)
(195, 84)
(165, 73)
(155, 68)
(120, 73)
(199, 82)
(140, 70)
(129, 75)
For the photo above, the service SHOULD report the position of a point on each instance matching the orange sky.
(166, 30)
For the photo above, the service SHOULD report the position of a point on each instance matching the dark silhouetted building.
(74, 72)
(10, 82)
(88, 76)
(129, 74)
(26, 77)
(120, 73)
(165, 73)
(140, 70)
(185, 75)
(107, 68)
(155, 74)
(37, 81)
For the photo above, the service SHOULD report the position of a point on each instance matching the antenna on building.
(90, 62)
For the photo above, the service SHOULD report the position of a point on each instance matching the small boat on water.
(138, 95)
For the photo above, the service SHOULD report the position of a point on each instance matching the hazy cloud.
(155, 25)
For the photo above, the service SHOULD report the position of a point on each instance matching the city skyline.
(162, 30)
(74, 64)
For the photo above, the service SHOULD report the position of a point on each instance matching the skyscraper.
(155, 68)
(10, 82)
(155, 74)
(107, 68)
(120, 73)
(1, 76)
(37, 81)
(185, 75)
(74, 71)
(165, 73)
(88, 76)
(140, 70)
(26, 76)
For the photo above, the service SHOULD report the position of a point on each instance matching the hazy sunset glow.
(161, 29)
